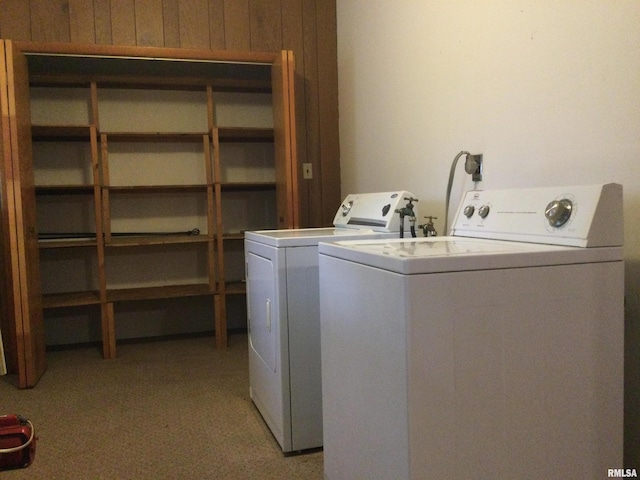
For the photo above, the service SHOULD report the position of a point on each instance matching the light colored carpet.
(172, 409)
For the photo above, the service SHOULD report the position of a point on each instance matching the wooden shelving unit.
(132, 167)
(106, 242)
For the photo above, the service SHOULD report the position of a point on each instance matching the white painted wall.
(547, 90)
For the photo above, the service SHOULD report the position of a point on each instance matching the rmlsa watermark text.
(622, 473)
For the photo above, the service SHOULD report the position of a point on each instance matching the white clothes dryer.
(284, 318)
(496, 352)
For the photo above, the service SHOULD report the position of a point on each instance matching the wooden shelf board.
(70, 299)
(142, 82)
(53, 81)
(239, 236)
(236, 288)
(233, 236)
(245, 186)
(149, 293)
(241, 134)
(139, 82)
(61, 132)
(64, 189)
(70, 242)
(160, 239)
(155, 188)
(174, 137)
(89, 189)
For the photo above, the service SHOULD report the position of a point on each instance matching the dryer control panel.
(582, 216)
(373, 211)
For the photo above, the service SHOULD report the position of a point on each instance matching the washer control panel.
(588, 215)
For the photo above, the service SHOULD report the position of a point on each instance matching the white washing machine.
(283, 314)
(496, 352)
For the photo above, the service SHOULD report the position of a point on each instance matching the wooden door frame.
(23, 271)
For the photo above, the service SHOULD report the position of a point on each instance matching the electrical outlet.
(307, 171)
(473, 166)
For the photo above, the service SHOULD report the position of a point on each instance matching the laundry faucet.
(428, 229)
(407, 211)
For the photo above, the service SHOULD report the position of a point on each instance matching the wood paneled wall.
(308, 27)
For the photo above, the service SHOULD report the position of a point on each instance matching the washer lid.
(310, 236)
(450, 254)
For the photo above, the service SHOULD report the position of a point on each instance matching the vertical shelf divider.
(106, 215)
(221, 297)
(211, 271)
(102, 209)
(219, 300)
(108, 320)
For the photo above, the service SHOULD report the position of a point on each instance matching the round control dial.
(347, 208)
(468, 211)
(558, 212)
(483, 211)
